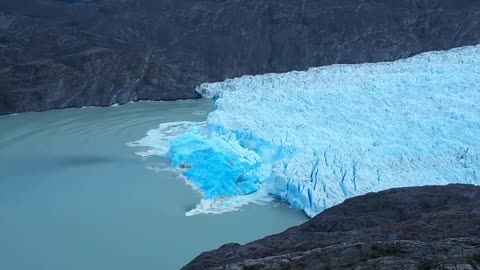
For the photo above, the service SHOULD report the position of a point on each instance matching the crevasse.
(316, 137)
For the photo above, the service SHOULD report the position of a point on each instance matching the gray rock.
(434, 227)
(73, 53)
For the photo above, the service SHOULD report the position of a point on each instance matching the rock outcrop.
(72, 53)
(432, 227)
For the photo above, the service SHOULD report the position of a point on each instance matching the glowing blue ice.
(218, 166)
(317, 137)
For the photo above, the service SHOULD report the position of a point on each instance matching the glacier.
(315, 138)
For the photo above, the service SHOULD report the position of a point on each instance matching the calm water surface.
(74, 196)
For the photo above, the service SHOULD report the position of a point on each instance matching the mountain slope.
(56, 54)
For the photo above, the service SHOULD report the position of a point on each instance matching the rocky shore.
(432, 227)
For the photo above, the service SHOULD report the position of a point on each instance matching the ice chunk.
(218, 166)
(317, 137)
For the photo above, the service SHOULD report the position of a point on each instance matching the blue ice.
(217, 166)
(316, 137)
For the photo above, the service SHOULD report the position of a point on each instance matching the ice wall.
(317, 137)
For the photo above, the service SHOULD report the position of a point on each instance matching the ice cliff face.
(317, 137)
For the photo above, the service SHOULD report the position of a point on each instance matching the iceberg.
(315, 138)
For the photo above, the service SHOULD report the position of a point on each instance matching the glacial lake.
(73, 195)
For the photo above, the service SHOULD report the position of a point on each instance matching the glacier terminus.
(315, 138)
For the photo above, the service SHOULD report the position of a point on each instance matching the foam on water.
(228, 204)
(317, 137)
(157, 141)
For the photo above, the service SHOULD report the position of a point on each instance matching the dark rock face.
(435, 227)
(72, 53)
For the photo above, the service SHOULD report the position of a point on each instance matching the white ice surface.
(317, 137)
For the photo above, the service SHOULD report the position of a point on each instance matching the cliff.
(73, 53)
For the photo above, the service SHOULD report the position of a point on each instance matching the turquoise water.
(73, 195)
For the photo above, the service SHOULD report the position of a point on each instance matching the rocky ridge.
(431, 227)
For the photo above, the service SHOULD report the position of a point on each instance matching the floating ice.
(157, 141)
(317, 137)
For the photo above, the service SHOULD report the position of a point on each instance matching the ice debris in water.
(317, 137)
